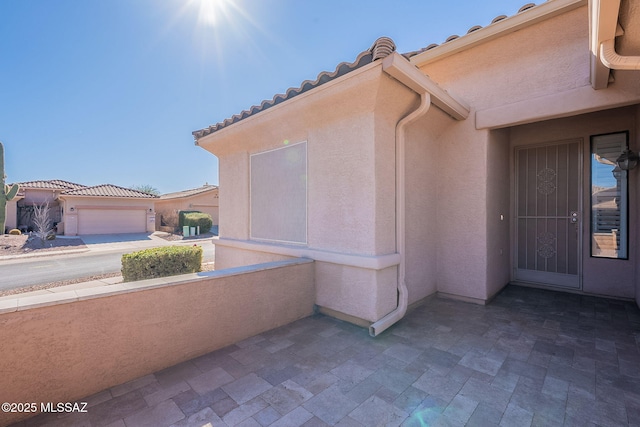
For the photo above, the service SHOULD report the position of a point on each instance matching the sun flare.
(212, 11)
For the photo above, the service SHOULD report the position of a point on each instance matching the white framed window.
(278, 194)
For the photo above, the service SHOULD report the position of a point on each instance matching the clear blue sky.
(109, 91)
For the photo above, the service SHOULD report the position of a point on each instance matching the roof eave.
(514, 23)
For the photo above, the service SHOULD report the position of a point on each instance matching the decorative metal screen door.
(548, 214)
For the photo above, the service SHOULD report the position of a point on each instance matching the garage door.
(107, 221)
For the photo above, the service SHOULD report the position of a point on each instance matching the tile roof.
(381, 48)
(187, 193)
(109, 190)
(469, 31)
(54, 184)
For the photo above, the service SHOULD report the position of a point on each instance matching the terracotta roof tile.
(381, 48)
(109, 190)
(187, 193)
(471, 30)
(53, 184)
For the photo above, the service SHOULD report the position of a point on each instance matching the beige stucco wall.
(350, 133)
(11, 215)
(539, 71)
(206, 202)
(85, 343)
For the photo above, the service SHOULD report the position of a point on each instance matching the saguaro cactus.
(6, 193)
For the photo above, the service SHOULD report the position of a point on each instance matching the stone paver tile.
(484, 415)
(118, 423)
(136, 384)
(210, 380)
(242, 412)
(330, 405)
(489, 363)
(555, 388)
(403, 352)
(117, 408)
(461, 408)
(177, 373)
(427, 414)
(479, 391)
(375, 411)
(246, 388)
(97, 398)
(163, 414)
(267, 416)
(394, 379)
(205, 417)
(410, 399)
(438, 386)
(352, 372)
(224, 406)
(191, 402)
(166, 392)
(286, 397)
(516, 416)
(297, 417)
(249, 422)
(363, 390)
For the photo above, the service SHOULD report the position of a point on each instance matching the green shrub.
(15, 232)
(199, 219)
(181, 215)
(161, 262)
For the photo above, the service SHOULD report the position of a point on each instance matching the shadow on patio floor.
(531, 357)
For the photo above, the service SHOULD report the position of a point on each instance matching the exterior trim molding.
(553, 106)
(371, 262)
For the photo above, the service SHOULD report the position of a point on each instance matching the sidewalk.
(103, 243)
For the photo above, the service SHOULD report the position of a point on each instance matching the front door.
(548, 214)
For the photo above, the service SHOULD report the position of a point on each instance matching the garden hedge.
(195, 219)
(161, 262)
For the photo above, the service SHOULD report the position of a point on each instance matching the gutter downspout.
(402, 70)
(403, 297)
(603, 30)
(611, 59)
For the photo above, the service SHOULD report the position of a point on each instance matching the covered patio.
(530, 357)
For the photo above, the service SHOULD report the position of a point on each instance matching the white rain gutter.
(604, 29)
(400, 69)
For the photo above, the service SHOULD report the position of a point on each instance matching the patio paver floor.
(530, 358)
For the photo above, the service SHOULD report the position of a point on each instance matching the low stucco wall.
(85, 342)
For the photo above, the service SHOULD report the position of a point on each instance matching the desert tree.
(42, 222)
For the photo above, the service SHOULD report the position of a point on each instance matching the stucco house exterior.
(454, 170)
(77, 209)
(203, 199)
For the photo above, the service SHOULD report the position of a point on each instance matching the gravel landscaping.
(25, 244)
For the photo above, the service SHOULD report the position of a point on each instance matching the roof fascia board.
(511, 24)
(402, 70)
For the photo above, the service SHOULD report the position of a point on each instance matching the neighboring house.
(452, 170)
(203, 199)
(78, 209)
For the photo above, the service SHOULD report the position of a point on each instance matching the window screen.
(279, 194)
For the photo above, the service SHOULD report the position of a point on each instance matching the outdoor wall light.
(627, 160)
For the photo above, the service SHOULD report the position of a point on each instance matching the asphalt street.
(21, 272)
